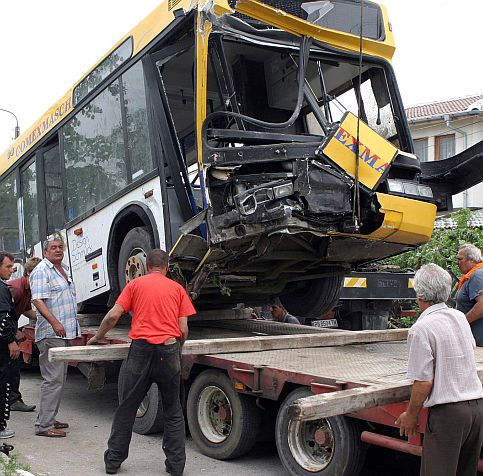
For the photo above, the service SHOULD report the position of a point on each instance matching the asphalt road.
(90, 414)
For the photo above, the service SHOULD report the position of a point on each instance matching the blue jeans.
(146, 364)
(477, 329)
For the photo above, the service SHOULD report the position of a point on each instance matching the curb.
(19, 472)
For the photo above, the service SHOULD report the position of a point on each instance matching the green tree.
(443, 245)
(441, 249)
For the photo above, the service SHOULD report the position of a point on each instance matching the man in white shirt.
(442, 364)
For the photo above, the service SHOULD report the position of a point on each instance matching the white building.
(445, 128)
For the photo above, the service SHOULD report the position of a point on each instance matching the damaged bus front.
(304, 165)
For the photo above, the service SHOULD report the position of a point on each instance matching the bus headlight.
(395, 186)
(283, 190)
(425, 191)
(409, 188)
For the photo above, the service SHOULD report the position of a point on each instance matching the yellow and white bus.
(263, 143)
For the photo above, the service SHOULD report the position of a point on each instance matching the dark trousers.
(477, 330)
(5, 385)
(15, 394)
(453, 438)
(146, 364)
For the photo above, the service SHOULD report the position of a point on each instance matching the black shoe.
(20, 406)
(110, 469)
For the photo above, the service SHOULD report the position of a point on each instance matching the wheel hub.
(214, 414)
(135, 265)
(223, 414)
(311, 443)
(320, 437)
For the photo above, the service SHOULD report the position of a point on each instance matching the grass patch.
(10, 465)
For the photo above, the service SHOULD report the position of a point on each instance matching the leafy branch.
(224, 289)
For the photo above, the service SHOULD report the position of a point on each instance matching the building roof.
(437, 109)
(476, 220)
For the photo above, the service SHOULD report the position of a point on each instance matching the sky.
(47, 46)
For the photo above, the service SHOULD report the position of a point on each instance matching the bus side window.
(94, 152)
(30, 204)
(138, 140)
(9, 227)
(53, 190)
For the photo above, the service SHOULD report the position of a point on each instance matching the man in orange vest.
(469, 298)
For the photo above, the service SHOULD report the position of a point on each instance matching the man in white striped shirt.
(442, 364)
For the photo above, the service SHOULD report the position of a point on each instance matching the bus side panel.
(88, 240)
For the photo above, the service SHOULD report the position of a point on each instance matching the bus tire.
(315, 298)
(132, 256)
(325, 447)
(223, 423)
(149, 417)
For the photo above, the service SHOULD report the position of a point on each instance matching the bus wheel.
(132, 256)
(315, 298)
(223, 423)
(325, 447)
(149, 417)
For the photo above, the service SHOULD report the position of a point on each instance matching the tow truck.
(290, 198)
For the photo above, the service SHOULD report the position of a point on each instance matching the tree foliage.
(443, 246)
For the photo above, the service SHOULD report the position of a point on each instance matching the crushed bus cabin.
(264, 144)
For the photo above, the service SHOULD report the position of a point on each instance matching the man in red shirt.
(160, 309)
(22, 296)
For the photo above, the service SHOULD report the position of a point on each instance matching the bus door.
(52, 195)
(169, 74)
(30, 209)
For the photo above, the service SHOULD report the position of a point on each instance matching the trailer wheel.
(132, 256)
(325, 447)
(223, 423)
(149, 417)
(315, 298)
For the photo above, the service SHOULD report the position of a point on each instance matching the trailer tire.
(317, 297)
(223, 423)
(149, 417)
(137, 243)
(325, 447)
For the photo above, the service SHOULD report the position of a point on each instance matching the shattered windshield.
(261, 82)
(376, 110)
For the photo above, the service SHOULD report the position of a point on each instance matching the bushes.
(441, 249)
(443, 245)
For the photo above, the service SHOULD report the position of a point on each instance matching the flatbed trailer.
(234, 399)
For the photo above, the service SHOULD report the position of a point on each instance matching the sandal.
(60, 426)
(52, 433)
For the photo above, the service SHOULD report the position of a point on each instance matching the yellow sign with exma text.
(375, 153)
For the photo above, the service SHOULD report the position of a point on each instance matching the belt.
(170, 341)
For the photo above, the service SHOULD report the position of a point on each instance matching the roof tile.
(439, 108)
